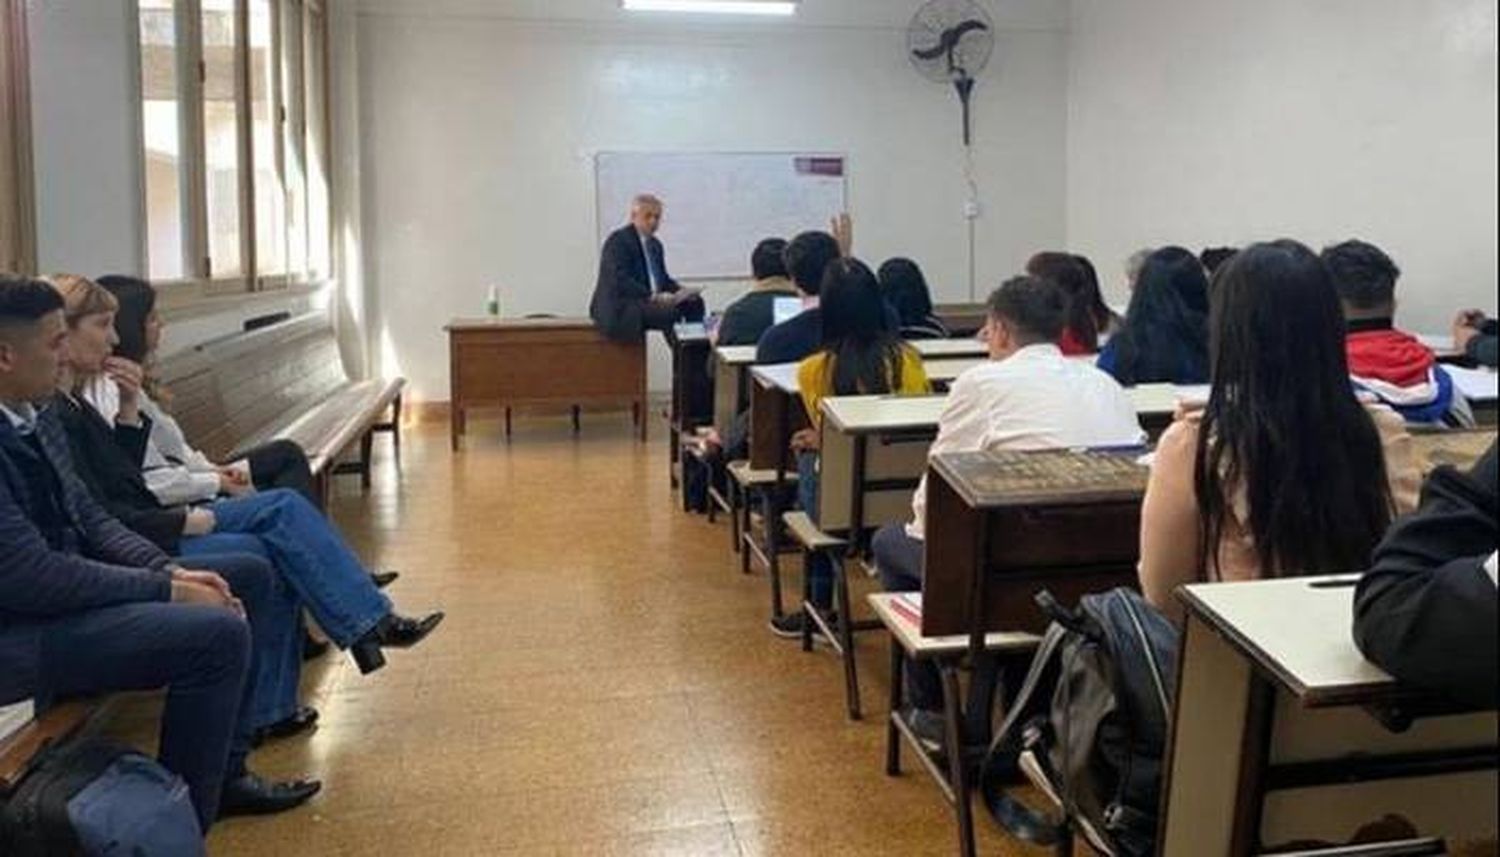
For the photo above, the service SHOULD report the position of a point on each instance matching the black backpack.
(1091, 719)
(98, 797)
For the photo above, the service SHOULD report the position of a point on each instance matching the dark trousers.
(898, 558)
(819, 565)
(655, 316)
(281, 464)
(202, 656)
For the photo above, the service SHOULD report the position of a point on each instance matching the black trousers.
(282, 464)
(655, 316)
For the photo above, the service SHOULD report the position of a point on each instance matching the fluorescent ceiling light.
(720, 7)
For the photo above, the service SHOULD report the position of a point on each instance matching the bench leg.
(396, 426)
(366, 452)
(731, 491)
(577, 419)
(773, 551)
(507, 423)
(455, 426)
(747, 496)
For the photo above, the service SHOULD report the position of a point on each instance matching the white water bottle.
(492, 303)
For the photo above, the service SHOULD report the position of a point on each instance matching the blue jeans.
(275, 634)
(201, 654)
(312, 559)
(819, 565)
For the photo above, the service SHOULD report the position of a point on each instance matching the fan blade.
(961, 30)
(932, 53)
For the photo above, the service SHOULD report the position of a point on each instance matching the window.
(235, 139)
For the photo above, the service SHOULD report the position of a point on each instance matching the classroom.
(749, 427)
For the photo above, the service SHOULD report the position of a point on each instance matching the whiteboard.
(719, 205)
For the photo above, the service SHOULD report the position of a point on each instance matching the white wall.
(1225, 121)
(478, 132)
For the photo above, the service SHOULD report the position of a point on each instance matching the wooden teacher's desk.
(1283, 732)
(506, 363)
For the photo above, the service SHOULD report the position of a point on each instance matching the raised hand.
(842, 227)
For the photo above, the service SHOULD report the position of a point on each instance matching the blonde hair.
(82, 297)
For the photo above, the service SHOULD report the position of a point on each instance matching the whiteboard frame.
(599, 214)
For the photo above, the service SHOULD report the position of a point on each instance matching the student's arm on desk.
(1170, 520)
(1426, 612)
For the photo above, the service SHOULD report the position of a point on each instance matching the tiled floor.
(604, 683)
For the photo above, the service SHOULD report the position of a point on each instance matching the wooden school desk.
(1002, 526)
(1277, 731)
(506, 363)
(690, 347)
(731, 383)
(939, 348)
(962, 319)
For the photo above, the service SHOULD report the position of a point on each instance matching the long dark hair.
(1082, 292)
(865, 352)
(1163, 340)
(137, 301)
(905, 289)
(1283, 425)
(1103, 315)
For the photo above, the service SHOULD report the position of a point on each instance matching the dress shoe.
(301, 720)
(382, 579)
(248, 794)
(394, 631)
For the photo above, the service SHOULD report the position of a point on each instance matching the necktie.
(651, 271)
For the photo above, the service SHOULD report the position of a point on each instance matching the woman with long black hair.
(1285, 471)
(1163, 340)
(861, 355)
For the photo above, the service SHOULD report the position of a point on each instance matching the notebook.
(15, 716)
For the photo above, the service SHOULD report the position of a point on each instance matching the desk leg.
(1220, 731)
(892, 734)
(958, 775)
(455, 425)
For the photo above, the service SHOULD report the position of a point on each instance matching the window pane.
(220, 139)
(295, 132)
(161, 127)
(270, 196)
(319, 239)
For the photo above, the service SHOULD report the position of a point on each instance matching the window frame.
(200, 282)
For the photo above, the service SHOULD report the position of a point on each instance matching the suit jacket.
(108, 460)
(1426, 612)
(624, 284)
(100, 564)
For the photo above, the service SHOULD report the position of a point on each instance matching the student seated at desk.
(1426, 610)
(1388, 363)
(1028, 396)
(1285, 471)
(1088, 316)
(1474, 336)
(807, 258)
(1163, 340)
(753, 313)
(905, 289)
(860, 356)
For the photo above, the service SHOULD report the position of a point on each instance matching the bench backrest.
(228, 391)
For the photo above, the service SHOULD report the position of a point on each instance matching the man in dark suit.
(634, 292)
(89, 607)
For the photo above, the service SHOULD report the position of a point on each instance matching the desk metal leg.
(958, 776)
(892, 734)
(846, 637)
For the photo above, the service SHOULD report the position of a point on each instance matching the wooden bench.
(508, 363)
(19, 751)
(287, 382)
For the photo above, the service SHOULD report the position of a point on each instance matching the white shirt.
(1034, 399)
(24, 420)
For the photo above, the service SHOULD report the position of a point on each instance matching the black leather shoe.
(382, 579)
(248, 794)
(400, 632)
(301, 720)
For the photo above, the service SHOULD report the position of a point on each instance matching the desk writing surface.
(690, 331)
(1298, 629)
(735, 355)
(496, 322)
(777, 376)
(874, 414)
(993, 479)
(1477, 385)
(929, 348)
